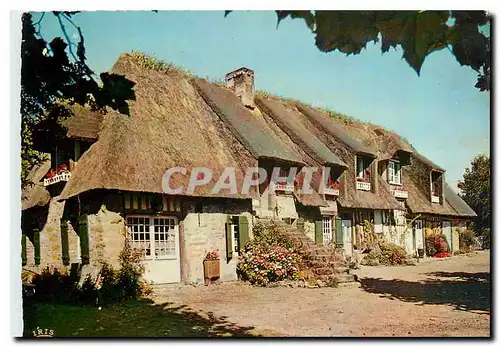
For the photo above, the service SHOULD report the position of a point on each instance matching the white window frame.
(360, 174)
(327, 230)
(393, 175)
(152, 241)
(234, 238)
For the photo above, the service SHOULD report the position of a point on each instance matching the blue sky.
(440, 112)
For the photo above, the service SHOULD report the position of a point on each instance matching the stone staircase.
(325, 263)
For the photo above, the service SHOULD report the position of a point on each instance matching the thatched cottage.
(105, 178)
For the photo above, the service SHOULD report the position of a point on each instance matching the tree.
(50, 78)
(475, 189)
(418, 33)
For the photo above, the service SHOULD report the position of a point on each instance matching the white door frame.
(347, 231)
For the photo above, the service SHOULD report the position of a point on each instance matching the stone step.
(346, 278)
(324, 271)
(319, 263)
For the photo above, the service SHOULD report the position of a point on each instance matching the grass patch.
(141, 318)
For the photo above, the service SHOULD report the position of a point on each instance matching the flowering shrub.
(435, 243)
(213, 255)
(54, 285)
(391, 254)
(262, 265)
(467, 239)
(271, 256)
(442, 255)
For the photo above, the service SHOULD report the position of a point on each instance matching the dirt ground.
(448, 297)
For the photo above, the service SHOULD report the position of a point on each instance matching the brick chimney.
(241, 82)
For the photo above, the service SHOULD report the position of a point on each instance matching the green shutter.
(64, 242)
(339, 235)
(318, 228)
(83, 231)
(36, 241)
(229, 241)
(300, 225)
(243, 225)
(23, 250)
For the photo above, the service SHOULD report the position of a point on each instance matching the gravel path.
(449, 297)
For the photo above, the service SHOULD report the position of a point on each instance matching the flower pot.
(420, 252)
(211, 269)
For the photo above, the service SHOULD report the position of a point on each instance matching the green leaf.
(424, 32)
(346, 31)
(308, 17)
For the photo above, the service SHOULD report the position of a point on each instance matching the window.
(62, 157)
(394, 172)
(155, 236)
(139, 231)
(360, 172)
(283, 174)
(327, 230)
(164, 236)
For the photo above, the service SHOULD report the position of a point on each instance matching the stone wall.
(50, 238)
(106, 237)
(206, 231)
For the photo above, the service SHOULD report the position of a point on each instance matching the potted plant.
(211, 266)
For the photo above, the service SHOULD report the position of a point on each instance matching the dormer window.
(332, 183)
(436, 187)
(284, 183)
(363, 174)
(284, 172)
(394, 172)
(363, 169)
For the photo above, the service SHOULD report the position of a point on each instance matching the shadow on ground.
(140, 318)
(461, 290)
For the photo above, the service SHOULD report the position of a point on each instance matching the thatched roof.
(384, 143)
(83, 124)
(35, 193)
(419, 199)
(250, 129)
(415, 176)
(344, 151)
(289, 123)
(334, 129)
(169, 126)
(427, 162)
(457, 203)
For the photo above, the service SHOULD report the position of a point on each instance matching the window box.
(435, 199)
(363, 186)
(52, 178)
(399, 192)
(283, 187)
(332, 188)
(332, 191)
